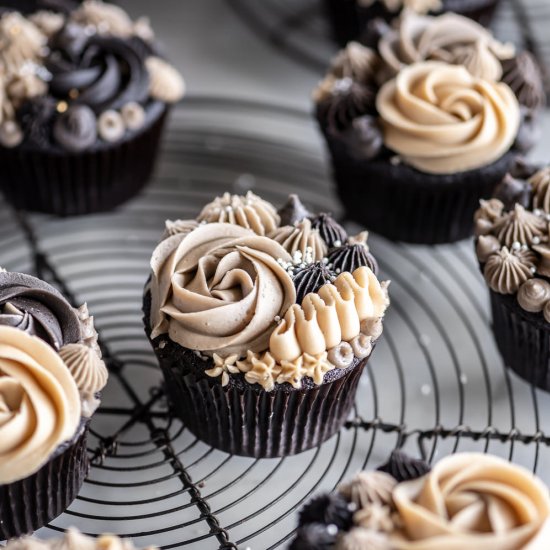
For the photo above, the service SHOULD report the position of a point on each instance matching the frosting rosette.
(441, 119)
(34, 306)
(39, 404)
(473, 501)
(219, 288)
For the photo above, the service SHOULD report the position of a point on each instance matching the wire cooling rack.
(434, 386)
(300, 29)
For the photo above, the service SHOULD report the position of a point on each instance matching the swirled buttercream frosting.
(249, 211)
(31, 305)
(506, 270)
(73, 540)
(450, 37)
(540, 188)
(441, 119)
(518, 226)
(473, 501)
(39, 403)
(524, 76)
(259, 305)
(301, 240)
(86, 367)
(219, 289)
(56, 67)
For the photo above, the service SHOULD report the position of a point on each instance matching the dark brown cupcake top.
(71, 79)
(260, 298)
(438, 93)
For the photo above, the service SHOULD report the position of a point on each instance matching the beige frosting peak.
(25, 86)
(473, 501)
(329, 316)
(249, 211)
(518, 226)
(105, 18)
(419, 38)
(39, 404)
(73, 540)
(165, 82)
(479, 60)
(377, 517)
(21, 41)
(48, 22)
(368, 488)
(174, 227)
(505, 271)
(540, 182)
(219, 289)
(302, 239)
(543, 267)
(315, 366)
(357, 62)
(88, 371)
(440, 119)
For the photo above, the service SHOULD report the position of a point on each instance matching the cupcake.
(468, 500)
(84, 95)
(51, 374)
(353, 19)
(433, 115)
(513, 249)
(73, 539)
(262, 322)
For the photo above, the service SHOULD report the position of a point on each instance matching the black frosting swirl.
(293, 211)
(351, 256)
(311, 278)
(513, 190)
(402, 467)
(36, 117)
(523, 75)
(100, 72)
(327, 508)
(330, 230)
(314, 536)
(37, 308)
(337, 111)
(76, 129)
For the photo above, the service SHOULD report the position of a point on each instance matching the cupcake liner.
(62, 183)
(404, 204)
(32, 502)
(344, 20)
(523, 340)
(246, 420)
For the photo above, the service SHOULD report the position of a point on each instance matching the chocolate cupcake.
(51, 374)
(84, 96)
(74, 540)
(513, 249)
(468, 500)
(355, 19)
(261, 339)
(427, 123)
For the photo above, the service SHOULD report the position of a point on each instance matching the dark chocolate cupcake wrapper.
(523, 340)
(246, 420)
(406, 205)
(66, 184)
(30, 503)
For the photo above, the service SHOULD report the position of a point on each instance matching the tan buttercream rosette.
(442, 97)
(473, 501)
(441, 119)
(222, 288)
(39, 403)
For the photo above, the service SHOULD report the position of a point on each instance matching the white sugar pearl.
(110, 126)
(133, 115)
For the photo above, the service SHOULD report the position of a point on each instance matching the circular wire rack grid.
(435, 385)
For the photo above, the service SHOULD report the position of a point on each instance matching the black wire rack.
(435, 385)
(300, 29)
